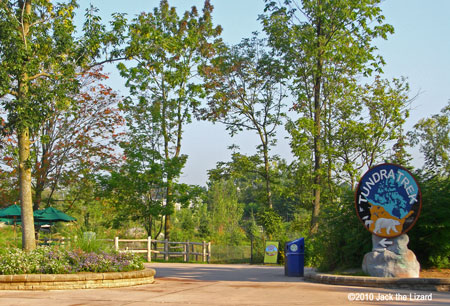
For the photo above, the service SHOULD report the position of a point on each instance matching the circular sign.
(271, 250)
(388, 200)
(293, 248)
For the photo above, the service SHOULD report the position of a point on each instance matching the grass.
(350, 272)
(9, 239)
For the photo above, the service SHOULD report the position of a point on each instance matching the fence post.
(185, 251)
(204, 251)
(116, 243)
(209, 252)
(166, 250)
(149, 249)
(188, 251)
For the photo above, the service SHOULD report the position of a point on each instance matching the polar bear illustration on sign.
(387, 224)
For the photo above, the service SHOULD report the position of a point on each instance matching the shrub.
(430, 236)
(341, 241)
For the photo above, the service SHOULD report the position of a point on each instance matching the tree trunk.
(267, 177)
(25, 195)
(317, 135)
(38, 195)
(169, 211)
(41, 169)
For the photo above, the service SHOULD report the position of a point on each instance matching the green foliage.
(41, 55)
(10, 237)
(271, 222)
(185, 225)
(341, 241)
(245, 86)
(88, 242)
(430, 237)
(433, 134)
(166, 50)
(325, 47)
(226, 213)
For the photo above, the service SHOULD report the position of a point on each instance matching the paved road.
(195, 284)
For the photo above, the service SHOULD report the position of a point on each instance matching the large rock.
(391, 260)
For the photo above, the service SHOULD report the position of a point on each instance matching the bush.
(430, 236)
(50, 260)
(341, 241)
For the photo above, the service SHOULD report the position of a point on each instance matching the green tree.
(166, 50)
(246, 174)
(39, 61)
(433, 135)
(326, 44)
(246, 86)
(360, 130)
(135, 184)
(226, 213)
(430, 236)
(70, 142)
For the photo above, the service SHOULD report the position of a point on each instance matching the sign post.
(388, 202)
(271, 252)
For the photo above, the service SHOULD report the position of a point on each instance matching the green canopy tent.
(51, 214)
(13, 214)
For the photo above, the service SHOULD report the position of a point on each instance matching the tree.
(433, 134)
(246, 86)
(246, 173)
(226, 213)
(39, 60)
(429, 238)
(167, 50)
(71, 142)
(326, 44)
(361, 129)
(134, 187)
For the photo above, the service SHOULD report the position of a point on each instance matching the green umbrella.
(51, 214)
(11, 212)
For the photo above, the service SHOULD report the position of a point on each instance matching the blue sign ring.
(388, 200)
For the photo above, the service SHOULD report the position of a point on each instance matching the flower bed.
(47, 260)
(49, 268)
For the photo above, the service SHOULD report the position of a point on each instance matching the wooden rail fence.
(166, 249)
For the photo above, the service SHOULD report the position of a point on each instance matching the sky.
(419, 50)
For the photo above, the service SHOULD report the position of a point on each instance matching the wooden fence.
(167, 249)
(51, 241)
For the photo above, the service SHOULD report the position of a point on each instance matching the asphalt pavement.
(208, 284)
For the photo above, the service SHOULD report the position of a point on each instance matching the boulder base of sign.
(391, 258)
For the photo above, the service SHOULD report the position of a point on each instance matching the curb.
(76, 281)
(430, 284)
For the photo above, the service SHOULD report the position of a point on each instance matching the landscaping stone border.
(427, 284)
(76, 281)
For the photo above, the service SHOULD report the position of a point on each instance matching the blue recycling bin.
(294, 264)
